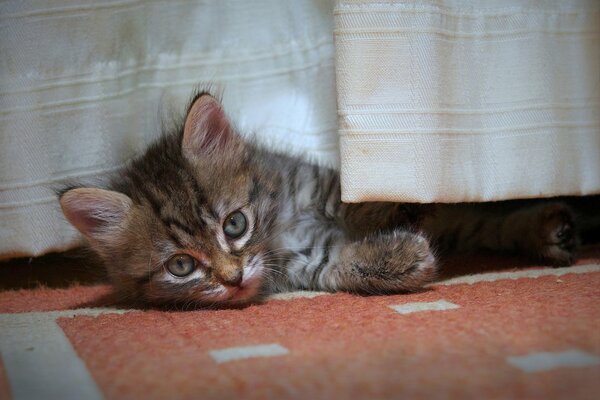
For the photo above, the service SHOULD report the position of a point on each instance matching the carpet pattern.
(530, 332)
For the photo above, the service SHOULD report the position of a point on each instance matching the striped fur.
(176, 198)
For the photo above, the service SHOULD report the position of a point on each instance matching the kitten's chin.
(242, 295)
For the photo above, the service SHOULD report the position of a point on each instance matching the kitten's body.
(183, 195)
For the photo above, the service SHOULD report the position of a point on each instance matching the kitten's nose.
(233, 278)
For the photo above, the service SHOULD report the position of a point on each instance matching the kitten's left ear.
(96, 213)
(206, 127)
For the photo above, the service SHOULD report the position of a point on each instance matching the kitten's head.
(188, 221)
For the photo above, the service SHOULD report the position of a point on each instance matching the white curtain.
(468, 100)
(84, 83)
(449, 100)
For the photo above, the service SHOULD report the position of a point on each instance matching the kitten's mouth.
(248, 288)
(238, 293)
(246, 291)
(242, 293)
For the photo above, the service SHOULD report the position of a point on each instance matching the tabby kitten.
(206, 217)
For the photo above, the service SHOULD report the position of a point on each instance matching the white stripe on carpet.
(296, 295)
(530, 273)
(545, 361)
(40, 361)
(408, 308)
(238, 353)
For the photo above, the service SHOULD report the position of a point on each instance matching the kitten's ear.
(206, 127)
(95, 212)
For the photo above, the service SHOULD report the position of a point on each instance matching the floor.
(494, 327)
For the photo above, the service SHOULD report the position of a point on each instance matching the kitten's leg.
(381, 263)
(543, 231)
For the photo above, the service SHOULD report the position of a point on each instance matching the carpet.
(493, 327)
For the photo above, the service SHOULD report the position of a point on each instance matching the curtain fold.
(468, 100)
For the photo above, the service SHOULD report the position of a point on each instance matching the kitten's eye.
(235, 225)
(181, 265)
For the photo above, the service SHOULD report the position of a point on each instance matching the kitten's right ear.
(206, 127)
(95, 212)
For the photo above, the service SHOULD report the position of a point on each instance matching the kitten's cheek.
(250, 274)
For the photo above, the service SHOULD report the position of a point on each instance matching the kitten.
(206, 217)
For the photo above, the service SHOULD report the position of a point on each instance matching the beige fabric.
(468, 100)
(83, 85)
(446, 101)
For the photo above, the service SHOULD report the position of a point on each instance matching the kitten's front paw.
(557, 238)
(400, 261)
